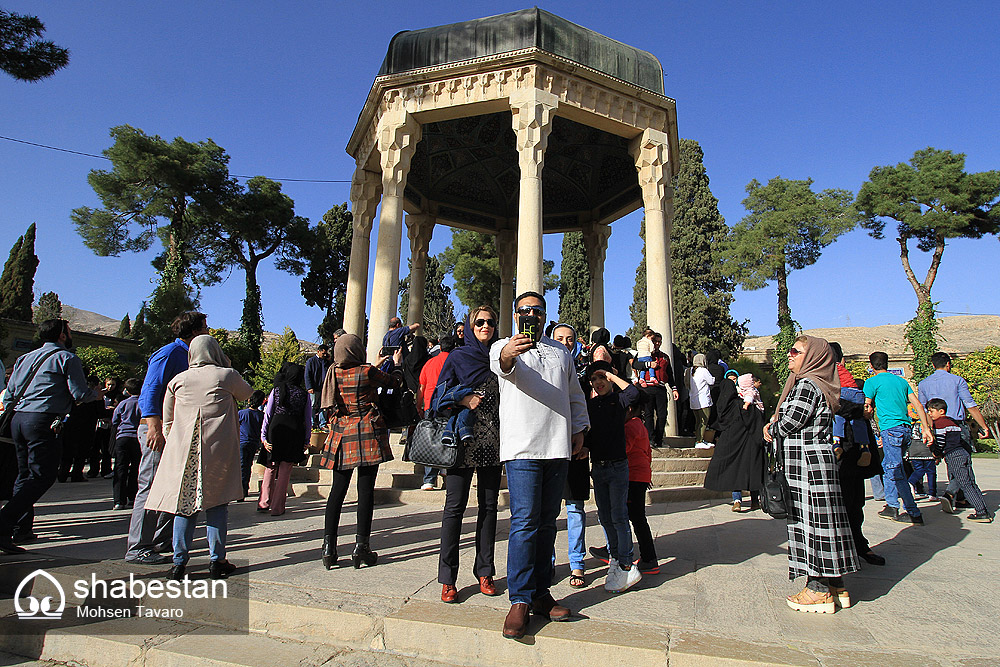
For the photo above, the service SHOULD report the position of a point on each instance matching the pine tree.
(574, 283)
(439, 311)
(125, 328)
(49, 308)
(18, 279)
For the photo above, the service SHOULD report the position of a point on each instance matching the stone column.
(532, 121)
(366, 188)
(419, 228)
(398, 134)
(652, 160)
(595, 240)
(507, 254)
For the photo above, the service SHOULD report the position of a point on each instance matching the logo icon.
(44, 608)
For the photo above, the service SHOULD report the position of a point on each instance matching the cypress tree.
(574, 283)
(18, 280)
(125, 328)
(49, 308)
(638, 308)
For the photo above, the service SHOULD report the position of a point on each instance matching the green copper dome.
(414, 49)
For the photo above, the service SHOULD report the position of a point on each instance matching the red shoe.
(449, 593)
(486, 586)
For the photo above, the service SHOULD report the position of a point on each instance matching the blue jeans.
(895, 441)
(217, 520)
(536, 488)
(431, 474)
(611, 494)
(247, 454)
(878, 489)
(922, 467)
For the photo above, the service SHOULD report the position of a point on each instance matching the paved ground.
(722, 573)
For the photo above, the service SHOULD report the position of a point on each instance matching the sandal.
(577, 581)
(812, 601)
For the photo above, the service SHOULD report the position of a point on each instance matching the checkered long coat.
(358, 436)
(819, 535)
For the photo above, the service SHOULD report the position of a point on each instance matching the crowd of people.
(558, 417)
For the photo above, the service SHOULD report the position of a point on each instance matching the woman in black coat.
(738, 460)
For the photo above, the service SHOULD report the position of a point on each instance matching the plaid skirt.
(819, 535)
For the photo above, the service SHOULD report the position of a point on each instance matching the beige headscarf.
(204, 350)
(699, 361)
(348, 352)
(819, 366)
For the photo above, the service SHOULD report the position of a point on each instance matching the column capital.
(532, 110)
(506, 241)
(366, 189)
(595, 240)
(398, 134)
(651, 151)
(419, 229)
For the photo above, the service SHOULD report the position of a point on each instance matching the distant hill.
(960, 333)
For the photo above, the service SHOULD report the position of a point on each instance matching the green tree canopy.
(23, 54)
(325, 282)
(125, 328)
(49, 308)
(786, 228)
(439, 311)
(574, 283)
(931, 199)
(18, 279)
(256, 223)
(283, 348)
(103, 362)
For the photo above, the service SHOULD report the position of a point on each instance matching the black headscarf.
(290, 375)
(468, 365)
(600, 338)
(414, 362)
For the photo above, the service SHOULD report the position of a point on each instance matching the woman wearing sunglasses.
(470, 386)
(820, 545)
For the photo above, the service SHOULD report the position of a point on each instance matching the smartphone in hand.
(529, 325)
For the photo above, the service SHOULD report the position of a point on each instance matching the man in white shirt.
(543, 419)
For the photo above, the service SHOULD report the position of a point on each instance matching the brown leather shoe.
(449, 593)
(547, 606)
(486, 586)
(516, 623)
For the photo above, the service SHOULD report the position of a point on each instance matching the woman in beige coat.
(200, 466)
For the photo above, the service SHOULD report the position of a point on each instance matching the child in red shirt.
(640, 476)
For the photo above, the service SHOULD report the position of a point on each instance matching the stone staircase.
(678, 474)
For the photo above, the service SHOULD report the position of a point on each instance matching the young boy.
(251, 418)
(125, 426)
(922, 461)
(609, 468)
(948, 444)
(640, 476)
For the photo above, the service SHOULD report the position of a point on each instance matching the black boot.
(177, 573)
(329, 552)
(363, 556)
(220, 569)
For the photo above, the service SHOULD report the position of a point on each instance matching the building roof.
(527, 28)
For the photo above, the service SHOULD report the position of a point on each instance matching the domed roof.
(527, 28)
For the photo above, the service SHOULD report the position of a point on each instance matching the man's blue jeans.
(895, 441)
(611, 494)
(217, 520)
(536, 488)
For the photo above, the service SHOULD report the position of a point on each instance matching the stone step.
(679, 464)
(678, 478)
(682, 493)
(682, 452)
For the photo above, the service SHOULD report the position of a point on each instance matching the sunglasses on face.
(528, 310)
(481, 322)
(794, 352)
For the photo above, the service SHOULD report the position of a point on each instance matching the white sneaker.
(616, 577)
(427, 487)
(703, 445)
(629, 578)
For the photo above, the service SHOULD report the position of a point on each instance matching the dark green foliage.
(125, 328)
(49, 308)
(278, 351)
(23, 54)
(472, 261)
(574, 283)
(770, 388)
(786, 228)
(103, 362)
(788, 331)
(325, 282)
(139, 326)
(236, 350)
(171, 297)
(638, 308)
(921, 335)
(18, 279)
(931, 199)
(439, 311)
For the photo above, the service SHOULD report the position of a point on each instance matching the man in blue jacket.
(152, 532)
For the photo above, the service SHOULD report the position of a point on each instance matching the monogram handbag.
(775, 499)
(425, 446)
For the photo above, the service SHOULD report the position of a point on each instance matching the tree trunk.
(251, 324)
(784, 312)
(922, 290)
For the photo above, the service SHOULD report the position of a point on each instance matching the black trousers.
(38, 453)
(366, 502)
(657, 404)
(457, 484)
(78, 438)
(100, 453)
(852, 487)
(126, 472)
(637, 517)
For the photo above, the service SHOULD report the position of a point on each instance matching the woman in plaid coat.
(820, 546)
(358, 439)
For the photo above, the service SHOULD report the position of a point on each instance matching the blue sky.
(796, 89)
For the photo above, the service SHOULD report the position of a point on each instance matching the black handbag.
(425, 446)
(398, 408)
(775, 500)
